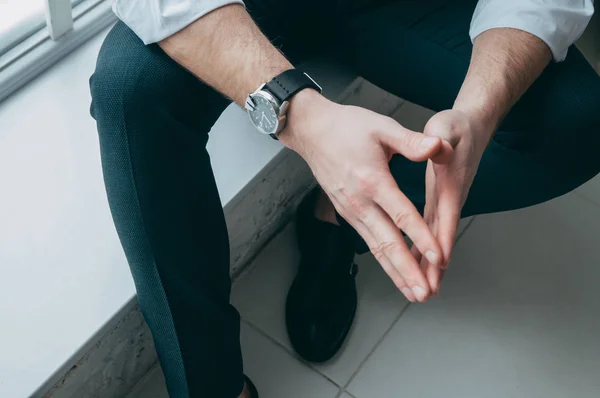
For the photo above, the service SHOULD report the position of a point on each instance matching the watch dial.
(264, 116)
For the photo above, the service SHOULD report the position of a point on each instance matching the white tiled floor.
(379, 305)
(517, 317)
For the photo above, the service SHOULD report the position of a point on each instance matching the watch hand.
(266, 118)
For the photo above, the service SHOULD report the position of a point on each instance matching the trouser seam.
(140, 214)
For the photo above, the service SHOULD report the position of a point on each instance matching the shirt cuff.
(153, 21)
(558, 27)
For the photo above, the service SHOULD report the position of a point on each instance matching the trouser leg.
(153, 120)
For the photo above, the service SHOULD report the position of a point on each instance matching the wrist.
(479, 106)
(482, 120)
(483, 104)
(480, 128)
(303, 109)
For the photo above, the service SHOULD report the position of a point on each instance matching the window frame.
(68, 25)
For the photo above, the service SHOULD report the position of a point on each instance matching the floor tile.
(412, 116)
(517, 315)
(259, 294)
(274, 372)
(379, 305)
(260, 298)
(591, 190)
(277, 374)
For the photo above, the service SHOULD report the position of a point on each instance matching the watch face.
(263, 115)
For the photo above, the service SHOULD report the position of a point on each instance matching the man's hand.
(448, 179)
(504, 63)
(348, 149)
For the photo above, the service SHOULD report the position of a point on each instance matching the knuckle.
(382, 249)
(354, 206)
(403, 219)
(411, 140)
(373, 183)
(378, 254)
(366, 181)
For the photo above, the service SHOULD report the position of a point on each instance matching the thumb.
(450, 127)
(445, 153)
(412, 145)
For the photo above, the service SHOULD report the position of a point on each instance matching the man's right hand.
(348, 149)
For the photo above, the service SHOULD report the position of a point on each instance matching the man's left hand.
(448, 179)
(504, 63)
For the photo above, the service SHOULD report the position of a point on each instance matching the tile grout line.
(341, 389)
(465, 229)
(291, 353)
(342, 392)
(585, 198)
(397, 108)
(385, 334)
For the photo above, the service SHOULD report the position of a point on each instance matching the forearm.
(504, 64)
(227, 51)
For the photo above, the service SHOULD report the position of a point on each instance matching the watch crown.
(250, 105)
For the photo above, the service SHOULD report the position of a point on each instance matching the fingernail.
(408, 293)
(419, 292)
(432, 257)
(428, 142)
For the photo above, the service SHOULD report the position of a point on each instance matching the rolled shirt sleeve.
(154, 20)
(557, 22)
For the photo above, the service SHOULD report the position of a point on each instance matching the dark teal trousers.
(153, 120)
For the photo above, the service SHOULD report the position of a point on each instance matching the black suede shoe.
(322, 300)
(251, 388)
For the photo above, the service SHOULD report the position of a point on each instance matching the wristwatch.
(268, 105)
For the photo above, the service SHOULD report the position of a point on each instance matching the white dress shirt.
(557, 22)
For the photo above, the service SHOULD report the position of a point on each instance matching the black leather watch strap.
(288, 83)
